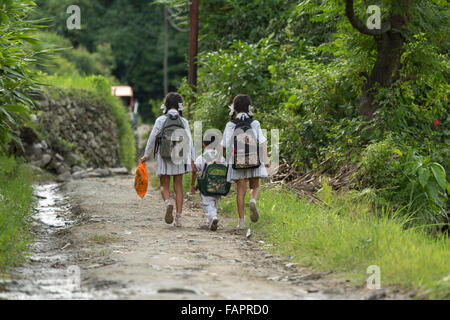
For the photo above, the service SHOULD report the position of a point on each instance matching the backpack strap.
(249, 120)
(172, 116)
(158, 137)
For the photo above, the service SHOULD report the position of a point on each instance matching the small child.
(210, 203)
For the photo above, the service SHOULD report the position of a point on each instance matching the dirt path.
(125, 251)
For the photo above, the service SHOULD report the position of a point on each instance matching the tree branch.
(359, 25)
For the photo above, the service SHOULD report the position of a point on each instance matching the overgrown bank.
(345, 235)
(96, 91)
(16, 202)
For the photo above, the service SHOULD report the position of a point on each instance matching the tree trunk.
(386, 68)
(389, 46)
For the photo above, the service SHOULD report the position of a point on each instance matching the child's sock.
(241, 224)
(167, 202)
(178, 220)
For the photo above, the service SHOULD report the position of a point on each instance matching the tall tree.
(389, 40)
(403, 20)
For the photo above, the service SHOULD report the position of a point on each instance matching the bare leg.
(241, 191)
(165, 193)
(178, 188)
(254, 188)
(164, 186)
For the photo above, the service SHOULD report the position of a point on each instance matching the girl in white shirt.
(242, 109)
(173, 106)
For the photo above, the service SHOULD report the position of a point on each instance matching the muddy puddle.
(49, 273)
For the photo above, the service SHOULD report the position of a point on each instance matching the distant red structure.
(126, 93)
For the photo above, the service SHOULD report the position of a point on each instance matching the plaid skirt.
(234, 175)
(167, 167)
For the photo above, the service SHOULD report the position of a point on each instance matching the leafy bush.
(307, 101)
(65, 60)
(16, 200)
(429, 188)
(244, 68)
(382, 167)
(403, 179)
(18, 53)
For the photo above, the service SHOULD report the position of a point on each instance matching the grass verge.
(16, 202)
(347, 236)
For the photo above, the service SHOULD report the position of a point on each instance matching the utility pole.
(193, 48)
(166, 51)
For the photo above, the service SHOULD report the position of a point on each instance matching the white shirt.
(159, 123)
(205, 158)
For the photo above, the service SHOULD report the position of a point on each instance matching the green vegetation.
(18, 56)
(346, 235)
(400, 176)
(129, 34)
(101, 88)
(65, 60)
(316, 77)
(16, 200)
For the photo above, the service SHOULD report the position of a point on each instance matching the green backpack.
(213, 182)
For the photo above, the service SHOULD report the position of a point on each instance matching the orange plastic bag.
(141, 180)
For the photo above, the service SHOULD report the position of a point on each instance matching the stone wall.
(72, 131)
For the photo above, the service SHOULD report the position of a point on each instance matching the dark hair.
(208, 141)
(172, 100)
(241, 103)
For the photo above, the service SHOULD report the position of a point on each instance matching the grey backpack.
(166, 140)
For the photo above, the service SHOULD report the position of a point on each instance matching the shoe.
(241, 224)
(213, 225)
(169, 215)
(178, 220)
(254, 216)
